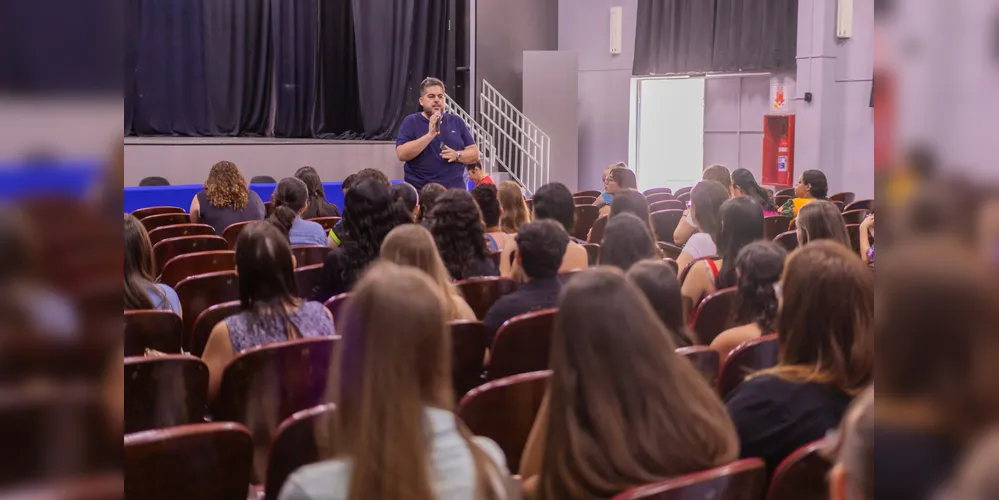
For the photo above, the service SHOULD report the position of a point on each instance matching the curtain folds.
(295, 47)
(339, 113)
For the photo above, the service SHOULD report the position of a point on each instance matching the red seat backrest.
(194, 462)
(142, 213)
(232, 231)
(584, 200)
(669, 250)
(657, 197)
(159, 330)
(802, 475)
(666, 205)
(522, 344)
(658, 190)
(773, 225)
(172, 247)
(482, 293)
(164, 391)
(337, 306)
(845, 198)
(592, 253)
(308, 255)
(177, 230)
(297, 443)
(705, 359)
(752, 356)
(197, 340)
(326, 222)
(202, 291)
(192, 264)
(714, 315)
(664, 222)
(597, 231)
(741, 480)
(584, 219)
(504, 410)
(860, 204)
(855, 216)
(469, 340)
(591, 192)
(154, 221)
(307, 278)
(788, 240)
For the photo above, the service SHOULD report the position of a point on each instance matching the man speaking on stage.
(435, 145)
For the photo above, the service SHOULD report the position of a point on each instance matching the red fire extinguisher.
(783, 154)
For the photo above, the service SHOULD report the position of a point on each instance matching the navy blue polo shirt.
(428, 166)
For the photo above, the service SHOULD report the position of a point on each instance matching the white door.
(667, 131)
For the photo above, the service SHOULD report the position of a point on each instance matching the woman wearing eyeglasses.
(610, 187)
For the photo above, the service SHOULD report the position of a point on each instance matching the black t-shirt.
(911, 465)
(532, 296)
(774, 417)
(336, 279)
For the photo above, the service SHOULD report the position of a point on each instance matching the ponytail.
(282, 218)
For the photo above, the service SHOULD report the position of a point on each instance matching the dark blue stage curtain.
(295, 46)
(170, 96)
(338, 109)
(399, 43)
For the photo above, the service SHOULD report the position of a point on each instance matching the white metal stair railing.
(483, 139)
(521, 148)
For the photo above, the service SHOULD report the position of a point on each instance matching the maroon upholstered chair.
(752, 356)
(802, 475)
(591, 192)
(839, 205)
(664, 222)
(853, 231)
(592, 253)
(788, 240)
(584, 200)
(845, 198)
(714, 315)
(195, 462)
(308, 255)
(469, 340)
(659, 190)
(337, 306)
(585, 217)
(597, 231)
(705, 359)
(264, 385)
(657, 197)
(672, 263)
(159, 330)
(232, 231)
(688, 267)
(154, 221)
(200, 292)
(192, 264)
(855, 216)
(774, 225)
(667, 205)
(164, 391)
(685, 189)
(297, 442)
(482, 293)
(669, 250)
(307, 278)
(683, 198)
(197, 340)
(522, 344)
(504, 410)
(142, 213)
(177, 230)
(326, 222)
(785, 192)
(781, 199)
(741, 480)
(172, 247)
(860, 205)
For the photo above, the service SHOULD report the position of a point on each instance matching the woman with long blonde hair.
(394, 435)
(226, 199)
(514, 207)
(413, 246)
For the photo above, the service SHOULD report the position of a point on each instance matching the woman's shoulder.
(326, 480)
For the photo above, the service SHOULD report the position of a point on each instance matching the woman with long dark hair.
(630, 201)
(226, 199)
(741, 223)
(811, 186)
(487, 198)
(369, 213)
(291, 200)
(394, 434)
(705, 204)
(269, 309)
(659, 283)
(626, 241)
(317, 205)
(428, 198)
(141, 289)
(456, 224)
(758, 266)
(621, 403)
(744, 184)
(619, 178)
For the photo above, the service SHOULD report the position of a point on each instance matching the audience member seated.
(606, 197)
(630, 201)
(291, 200)
(270, 311)
(226, 199)
(740, 223)
(336, 235)
(456, 224)
(406, 196)
(393, 433)
(618, 179)
(317, 206)
(866, 248)
(688, 225)
(621, 404)
(487, 198)
(626, 241)
(412, 245)
(705, 202)
(141, 289)
(369, 214)
(658, 281)
(428, 198)
(758, 267)
(540, 246)
(552, 201)
(825, 328)
(821, 220)
(811, 186)
(744, 184)
(938, 339)
(514, 211)
(852, 475)
(477, 175)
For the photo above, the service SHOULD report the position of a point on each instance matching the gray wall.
(187, 160)
(551, 102)
(504, 30)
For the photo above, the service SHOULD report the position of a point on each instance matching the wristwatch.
(459, 156)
